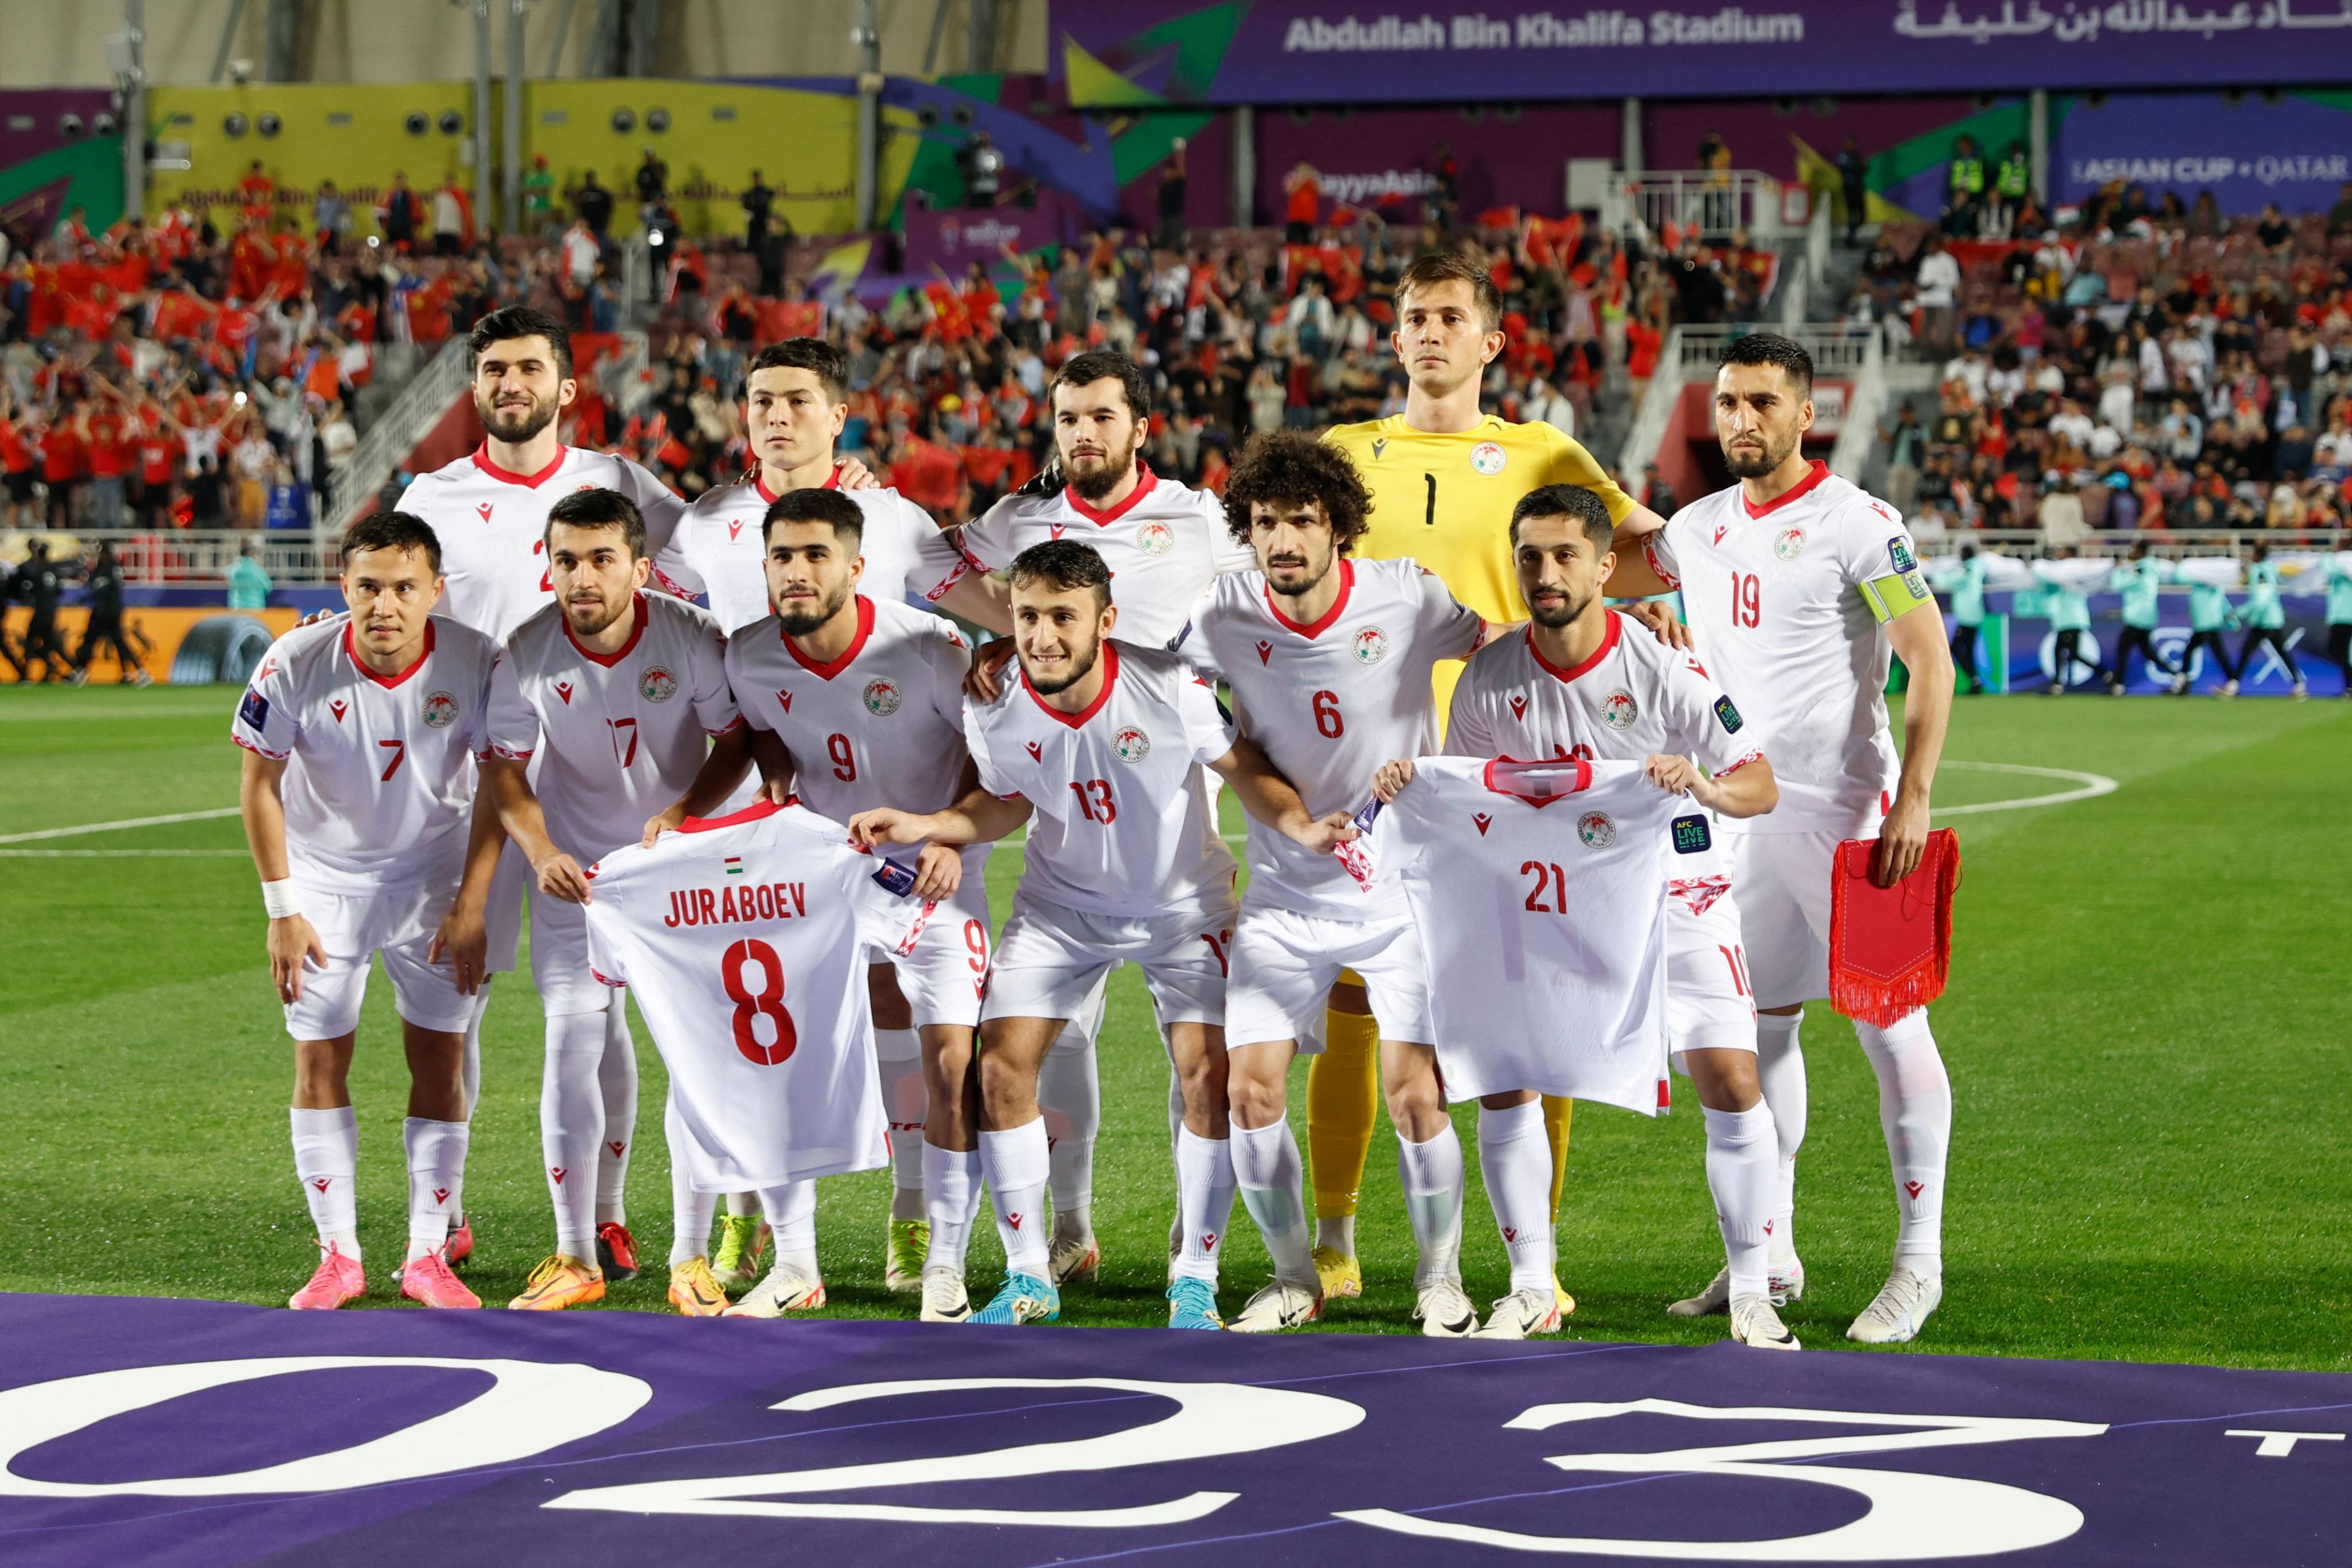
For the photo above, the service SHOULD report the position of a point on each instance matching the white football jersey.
(624, 733)
(1778, 603)
(1123, 822)
(1539, 891)
(882, 725)
(492, 526)
(1633, 697)
(1330, 704)
(379, 783)
(721, 550)
(747, 939)
(1164, 545)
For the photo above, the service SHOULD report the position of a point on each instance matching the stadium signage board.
(199, 1433)
(1332, 51)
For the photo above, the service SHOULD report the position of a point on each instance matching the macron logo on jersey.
(785, 697)
(338, 708)
(563, 690)
(734, 530)
(1265, 652)
(1484, 822)
(1519, 706)
(1037, 753)
(486, 509)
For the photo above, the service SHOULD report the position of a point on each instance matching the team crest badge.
(1596, 829)
(1789, 544)
(1488, 458)
(1131, 744)
(440, 710)
(1155, 539)
(1370, 645)
(657, 685)
(1619, 710)
(882, 698)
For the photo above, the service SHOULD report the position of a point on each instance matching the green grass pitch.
(2147, 1028)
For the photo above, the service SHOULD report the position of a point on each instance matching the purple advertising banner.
(2296, 151)
(1369, 51)
(161, 1432)
(952, 238)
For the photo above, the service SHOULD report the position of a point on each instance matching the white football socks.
(742, 1205)
(616, 1081)
(791, 1210)
(690, 1212)
(1742, 1174)
(570, 1124)
(327, 1159)
(437, 1166)
(1432, 1175)
(950, 1199)
(1780, 1073)
(1015, 1164)
(899, 1053)
(1069, 1094)
(1204, 1197)
(1915, 1113)
(1515, 1154)
(472, 1070)
(1272, 1178)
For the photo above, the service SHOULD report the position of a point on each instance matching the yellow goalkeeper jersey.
(1445, 501)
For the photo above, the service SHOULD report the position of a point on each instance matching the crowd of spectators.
(2128, 365)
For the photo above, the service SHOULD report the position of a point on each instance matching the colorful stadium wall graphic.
(53, 158)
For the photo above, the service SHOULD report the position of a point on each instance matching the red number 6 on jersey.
(768, 1003)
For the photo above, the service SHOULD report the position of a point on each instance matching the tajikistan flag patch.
(734, 865)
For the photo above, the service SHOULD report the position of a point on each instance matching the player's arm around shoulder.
(1881, 561)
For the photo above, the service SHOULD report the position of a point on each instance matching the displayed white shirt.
(1538, 889)
(492, 526)
(721, 551)
(378, 787)
(1123, 821)
(747, 939)
(1776, 604)
(1330, 704)
(1164, 545)
(624, 733)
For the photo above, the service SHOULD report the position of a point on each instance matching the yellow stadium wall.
(804, 144)
(163, 628)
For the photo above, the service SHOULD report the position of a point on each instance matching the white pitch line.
(109, 854)
(2093, 785)
(110, 827)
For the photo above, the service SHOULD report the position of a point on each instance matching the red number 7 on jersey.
(399, 755)
(617, 726)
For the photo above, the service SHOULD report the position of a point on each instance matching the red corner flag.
(1891, 947)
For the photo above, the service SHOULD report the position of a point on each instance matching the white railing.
(1648, 431)
(395, 435)
(2171, 543)
(1859, 433)
(1817, 239)
(191, 557)
(1838, 349)
(1711, 202)
(1796, 292)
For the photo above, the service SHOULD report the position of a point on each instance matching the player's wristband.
(278, 899)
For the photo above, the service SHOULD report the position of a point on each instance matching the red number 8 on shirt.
(768, 1001)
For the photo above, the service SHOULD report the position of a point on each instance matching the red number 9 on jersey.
(768, 1001)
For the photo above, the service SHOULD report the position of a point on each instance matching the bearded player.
(1578, 681)
(866, 693)
(618, 695)
(1799, 586)
(490, 511)
(1100, 749)
(1329, 660)
(1166, 544)
(1444, 477)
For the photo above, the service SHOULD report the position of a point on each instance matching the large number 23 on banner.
(533, 1407)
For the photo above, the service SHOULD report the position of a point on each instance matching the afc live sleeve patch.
(253, 711)
(1691, 835)
(895, 877)
(1898, 595)
(1898, 555)
(1728, 716)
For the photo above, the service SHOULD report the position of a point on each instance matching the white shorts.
(1784, 882)
(510, 887)
(559, 960)
(946, 975)
(1051, 958)
(399, 923)
(1285, 964)
(1709, 1007)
